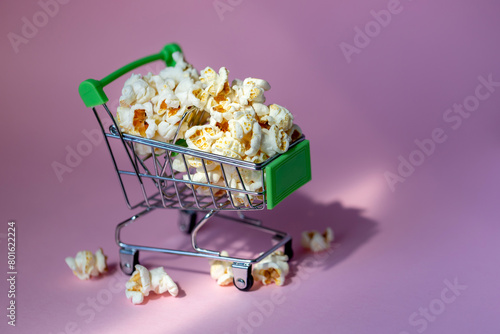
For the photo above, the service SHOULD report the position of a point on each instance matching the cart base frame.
(242, 267)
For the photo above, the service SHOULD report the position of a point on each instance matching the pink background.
(393, 250)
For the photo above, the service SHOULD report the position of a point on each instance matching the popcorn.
(241, 198)
(167, 130)
(86, 264)
(138, 285)
(260, 109)
(136, 90)
(201, 137)
(294, 133)
(200, 176)
(215, 179)
(271, 269)
(228, 146)
(234, 122)
(143, 281)
(215, 82)
(165, 102)
(181, 70)
(198, 164)
(315, 241)
(242, 123)
(187, 91)
(279, 116)
(274, 141)
(161, 282)
(250, 90)
(221, 270)
(255, 141)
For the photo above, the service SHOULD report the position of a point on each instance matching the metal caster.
(242, 276)
(187, 221)
(128, 259)
(289, 249)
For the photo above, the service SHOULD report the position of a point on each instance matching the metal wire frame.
(172, 190)
(281, 238)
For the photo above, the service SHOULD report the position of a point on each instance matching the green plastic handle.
(92, 91)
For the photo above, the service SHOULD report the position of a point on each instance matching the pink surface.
(396, 252)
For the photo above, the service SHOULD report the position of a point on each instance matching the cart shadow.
(295, 215)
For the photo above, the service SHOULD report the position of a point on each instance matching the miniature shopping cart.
(159, 185)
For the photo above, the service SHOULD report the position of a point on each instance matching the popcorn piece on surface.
(273, 268)
(260, 109)
(161, 282)
(221, 270)
(100, 260)
(143, 281)
(138, 285)
(86, 264)
(315, 241)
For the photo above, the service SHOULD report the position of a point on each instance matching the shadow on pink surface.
(297, 214)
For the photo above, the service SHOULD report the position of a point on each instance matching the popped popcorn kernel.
(86, 265)
(272, 269)
(144, 281)
(315, 241)
(221, 270)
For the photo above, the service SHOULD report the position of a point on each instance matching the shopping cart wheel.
(128, 259)
(289, 249)
(187, 221)
(243, 279)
